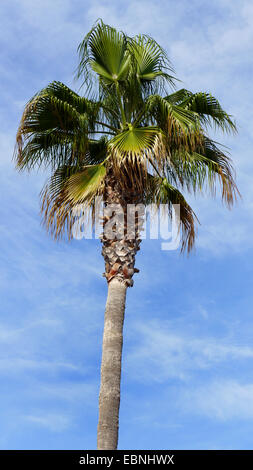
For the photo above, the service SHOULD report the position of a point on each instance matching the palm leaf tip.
(207, 108)
(161, 192)
(54, 128)
(220, 164)
(68, 189)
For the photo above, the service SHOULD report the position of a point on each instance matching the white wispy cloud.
(76, 393)
(53, 422)
(13, 365)
(219, 400)
(160, 353)
(52, 296)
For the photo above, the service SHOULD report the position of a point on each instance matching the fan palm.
(130, 141)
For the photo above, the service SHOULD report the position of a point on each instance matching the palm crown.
(127, 123)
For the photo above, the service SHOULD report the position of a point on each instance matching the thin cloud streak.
(52, 295)
(222, 400)
(161, 353)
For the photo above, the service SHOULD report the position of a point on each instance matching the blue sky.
(187, 357)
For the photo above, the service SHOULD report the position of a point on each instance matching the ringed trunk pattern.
(119, 256)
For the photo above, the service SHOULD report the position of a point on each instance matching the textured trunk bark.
(109, 396)
(119, 256)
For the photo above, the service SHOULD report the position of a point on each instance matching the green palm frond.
(178, 96)
(69, 189)
(130, 152)
(203, 168)
(172, 117)
(104, 51)
(110, 110)
(150, 64)
(135, 140)
(84, 185)
(160, 191)
(54, 128)
(219, 168)
(65, 94)
(180, 127)
(165, 108)
(123, 67)
(97, 151)
(206, 107)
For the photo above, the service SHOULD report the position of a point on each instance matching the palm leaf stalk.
(131, 139)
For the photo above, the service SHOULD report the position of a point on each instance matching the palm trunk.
(109, 396)
(119, 256)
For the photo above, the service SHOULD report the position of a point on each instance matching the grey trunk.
(109, 396)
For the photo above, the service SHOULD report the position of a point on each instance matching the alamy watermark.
(119, 224)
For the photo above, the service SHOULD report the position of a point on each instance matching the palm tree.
(131, 139)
